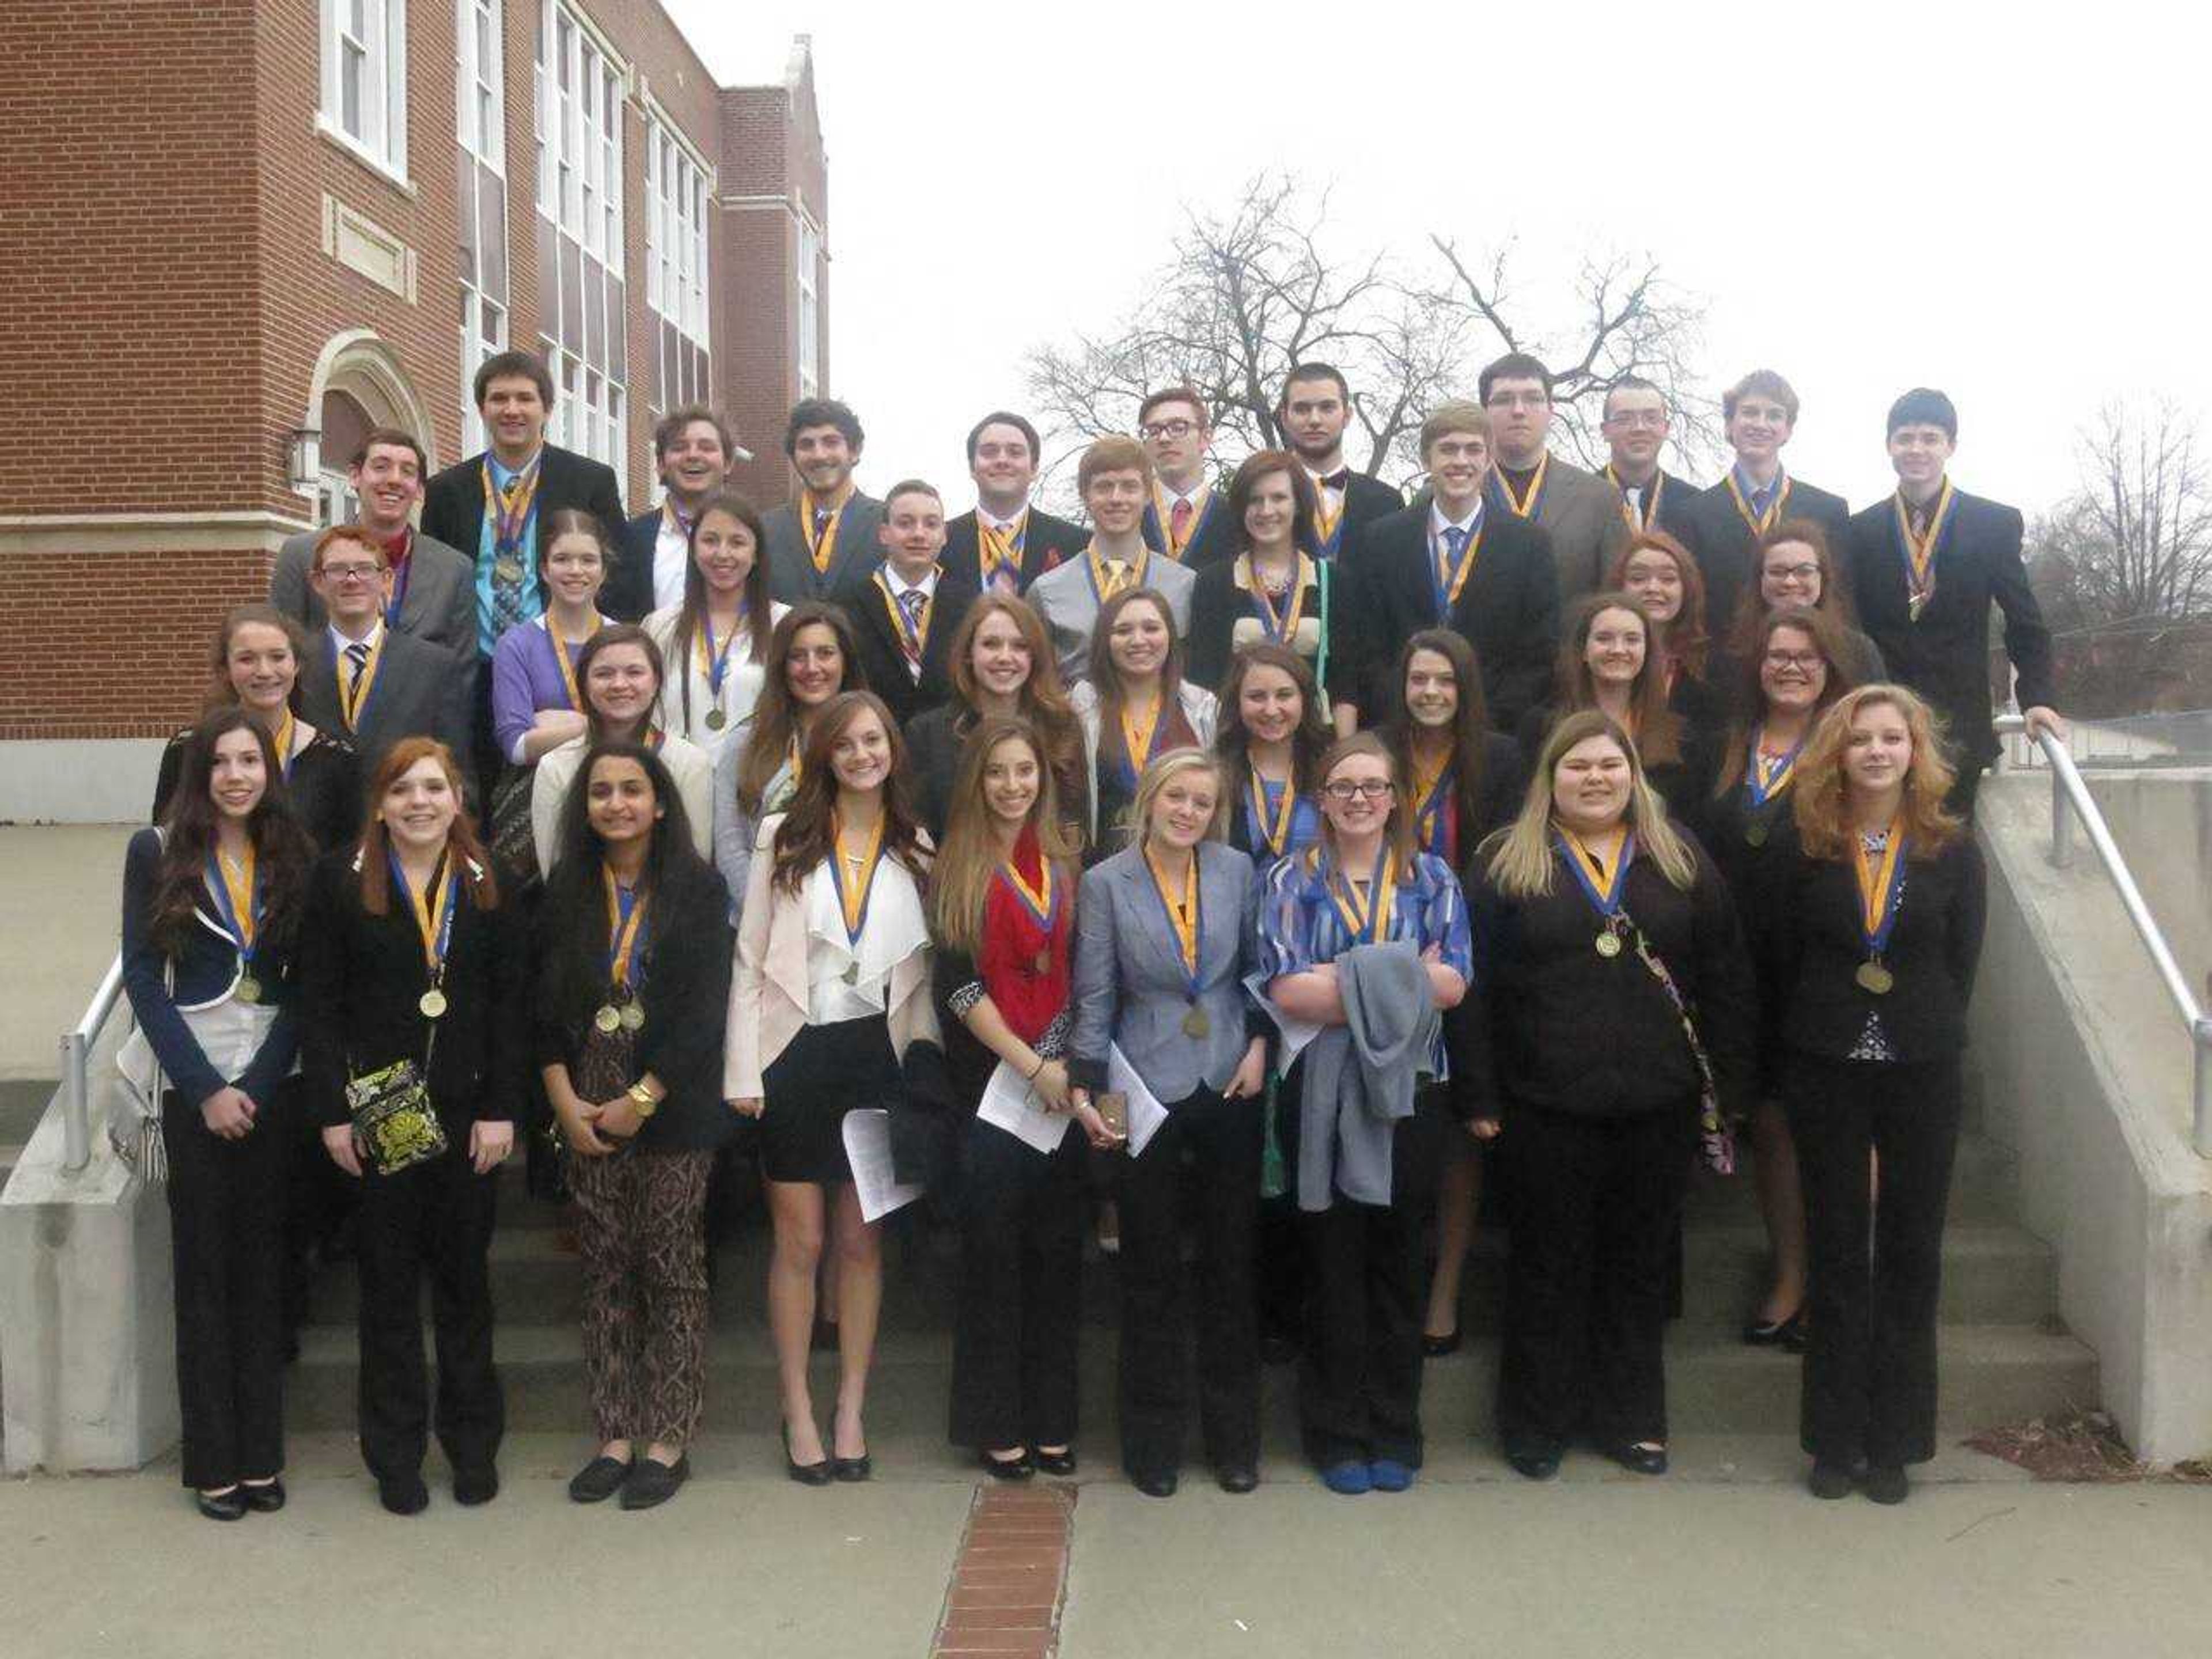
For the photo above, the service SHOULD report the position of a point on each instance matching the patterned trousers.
(641, 1231)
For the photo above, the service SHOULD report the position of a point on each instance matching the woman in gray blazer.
(1164, 938)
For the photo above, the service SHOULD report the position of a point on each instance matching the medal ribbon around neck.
(1037, 899)
(510, 508)
(912, 639)
(1432, 790)
(713, 658)
(283, 744)
(1526, 506)
(1000, 551)
(1604, 888)
(353, 695)
(821, 548)
(1201, 507)
(1881, 886)
(237, 895)
(1281, 627)
(852, 897)
(566, 663)
(1102, 586)
(1920, 551)
(1273, 827)
(1190, 935)
(1760, 522)
(626, 907)
(1650, 501)
(1368, 923)
(1764, 780)
(1447, 578)
(432, 909)
(1329, 527)
(1137, 738)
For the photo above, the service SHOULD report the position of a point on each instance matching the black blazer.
(1721, 540)
(1509, 611)
(453, 502)
(1556, 1025)
(1812, 948)
(1944, 655)
(1676, 515)
(1365, 501)
(421, 691)
(361, 977)
(883, 664)
(1213, 542)
(1746, 844)
(934, 740)
(1683, 782)
(1046, 544)
(626, 595)
(683, 983)
(1217, 604)
(324, 788)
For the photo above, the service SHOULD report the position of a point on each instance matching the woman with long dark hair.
(1272, 590)
(713, 643)
(633, 986)
(414, 983)
(830, 992)
(1606, 663)
(1135, 705)
(211, 907)
(1656, 568)
(1003, 907)
(1793, 568)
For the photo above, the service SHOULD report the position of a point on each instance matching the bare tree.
(1258, 287)
(2134, 544)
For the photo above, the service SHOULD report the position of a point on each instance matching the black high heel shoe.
(1787, 1334)
(1007, 1468)
(807, 1474)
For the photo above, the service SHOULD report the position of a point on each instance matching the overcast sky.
(1887, 196)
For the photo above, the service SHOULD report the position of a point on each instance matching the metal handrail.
(2069, 791)
(76, 1051)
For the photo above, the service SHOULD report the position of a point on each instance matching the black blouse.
(324, 788)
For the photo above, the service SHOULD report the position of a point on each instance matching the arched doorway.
(359, 384)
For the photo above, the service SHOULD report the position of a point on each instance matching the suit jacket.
(1722, 539)
(1944, 655)
(1674, 515)
(453, 503)
(1222, 622)
(883, 662)
(440, 604)
(1130, 989)
(627, 595)
(1213, 541)
(1046, 544)
(1581, 512)
(1509, 611)
(792, 576)
(420, 690)
(1069, 605)
(1365, 501)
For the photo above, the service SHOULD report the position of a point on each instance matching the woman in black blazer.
(1601, 924)
(632, 965)
(1271, 589)
(413, 955)
(1656, 568)
(1607, 663)
(211, 904)
(1876, 926)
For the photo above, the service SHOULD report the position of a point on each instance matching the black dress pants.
(1218, 1140)
(1593, 1203)
(1021, 1289)
(226, 1232)
(1870, 1388)
(435, 1222)
(1359, 1380)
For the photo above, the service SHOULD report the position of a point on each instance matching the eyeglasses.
(353, 573)
(1345, 789)
(1167, 429)
(1517, 400)
(1793, 573)
(1633, 418)
(1807, 660)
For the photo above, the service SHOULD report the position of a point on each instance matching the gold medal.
(633, 1016)
(1755, 833)
(716, 720)
(1042, 965)
(249, 989)
(1608, 945)
(608, 1019)
(1195, 1024)
(1876, 979)
(506, 568)
(433, 1004)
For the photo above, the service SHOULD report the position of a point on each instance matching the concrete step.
(1982, 1187)
(1990, 1374)
(22, 1102)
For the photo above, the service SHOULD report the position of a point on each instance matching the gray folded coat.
(1360, 1076)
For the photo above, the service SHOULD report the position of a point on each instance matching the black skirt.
(825, 1071)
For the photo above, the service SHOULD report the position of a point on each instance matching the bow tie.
(1337, 480)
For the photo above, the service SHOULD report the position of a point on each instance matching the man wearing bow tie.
(1314, 413)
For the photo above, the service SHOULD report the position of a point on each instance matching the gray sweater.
(1360, 1076)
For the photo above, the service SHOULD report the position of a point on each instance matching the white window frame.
(485, 318)
(677, 186)
(382, 141)
(808, 262)
(583, 87)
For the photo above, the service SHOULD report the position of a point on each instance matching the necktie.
(821, 517)
(356, 665)
(911, 604)
(1456, 544)
(1179, 522)
(1117, 574)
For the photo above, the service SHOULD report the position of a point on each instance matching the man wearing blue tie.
(1759, 413)
(906, 612)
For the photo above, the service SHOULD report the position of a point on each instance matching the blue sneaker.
(1347, 1478)
(1389, 1474)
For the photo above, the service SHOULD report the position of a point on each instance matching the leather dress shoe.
(1534, 1462)
(1007, 1468)
(473, 1486)
(652, 1482)
(1158, 1483)
(1639, 1459)
(221, 1505)
(1830, 1480)
(403, 1494)
(1059, 1464)
(598, 1481)
(1238, 1478)
(1885, 1483)
(265, 1498)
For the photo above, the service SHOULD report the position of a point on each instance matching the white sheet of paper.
(1009, 1103)
(867, 1135)
(1296, 1033)
(1146, 1114)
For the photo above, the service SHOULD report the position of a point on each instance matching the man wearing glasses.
(1580, 511)
(1187, 519)
(1635, 426)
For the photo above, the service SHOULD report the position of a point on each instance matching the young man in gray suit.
(1580, 511)
(827, 540)
(432, 586)
(1114, 479)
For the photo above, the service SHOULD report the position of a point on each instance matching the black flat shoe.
(474, 1486)
(807, 1474)
(266, 1499)
(1534, 1462)
(1059, 1464)
(1007, 1468)
(598, 1481)
(403, 1494)
(1885, 1483)
(1785, 1333)
(1829, 1480)
(850, 1469)
(1238, 1478)
(652, 1482)
(1435, 1348)
(221, 1505)
(1639, 1459)
(1160, 1483)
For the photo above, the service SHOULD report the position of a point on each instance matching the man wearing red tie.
(1314, 413)
(1186, 520)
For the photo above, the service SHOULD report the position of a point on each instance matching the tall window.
(365, 79)
(810, 309)
(675, 268)
(481, 122)
(579, 236)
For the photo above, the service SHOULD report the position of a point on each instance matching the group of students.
(1269, 862)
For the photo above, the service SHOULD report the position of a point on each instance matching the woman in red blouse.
(1003, 910)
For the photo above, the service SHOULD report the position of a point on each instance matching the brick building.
(322, 214)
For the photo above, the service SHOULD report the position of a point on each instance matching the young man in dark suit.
(906, 612)
(1005, 543)
(1186, 518)
(1455, 560)
(692, 449)
(1578, 510)
(1925, 565)
(369, 684)
(1759, 412)
(1314, 413)
(490, 505)
(1635, 425)
(827, 540)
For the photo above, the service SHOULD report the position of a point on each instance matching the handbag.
(1716, 1141)
(509, 821)
(393, 1117)
(130, 1095)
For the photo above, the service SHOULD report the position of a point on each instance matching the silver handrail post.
(2203, 1130)
(2062, 821)
(77, 1110)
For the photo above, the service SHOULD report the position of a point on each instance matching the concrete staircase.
(2004, 1357)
